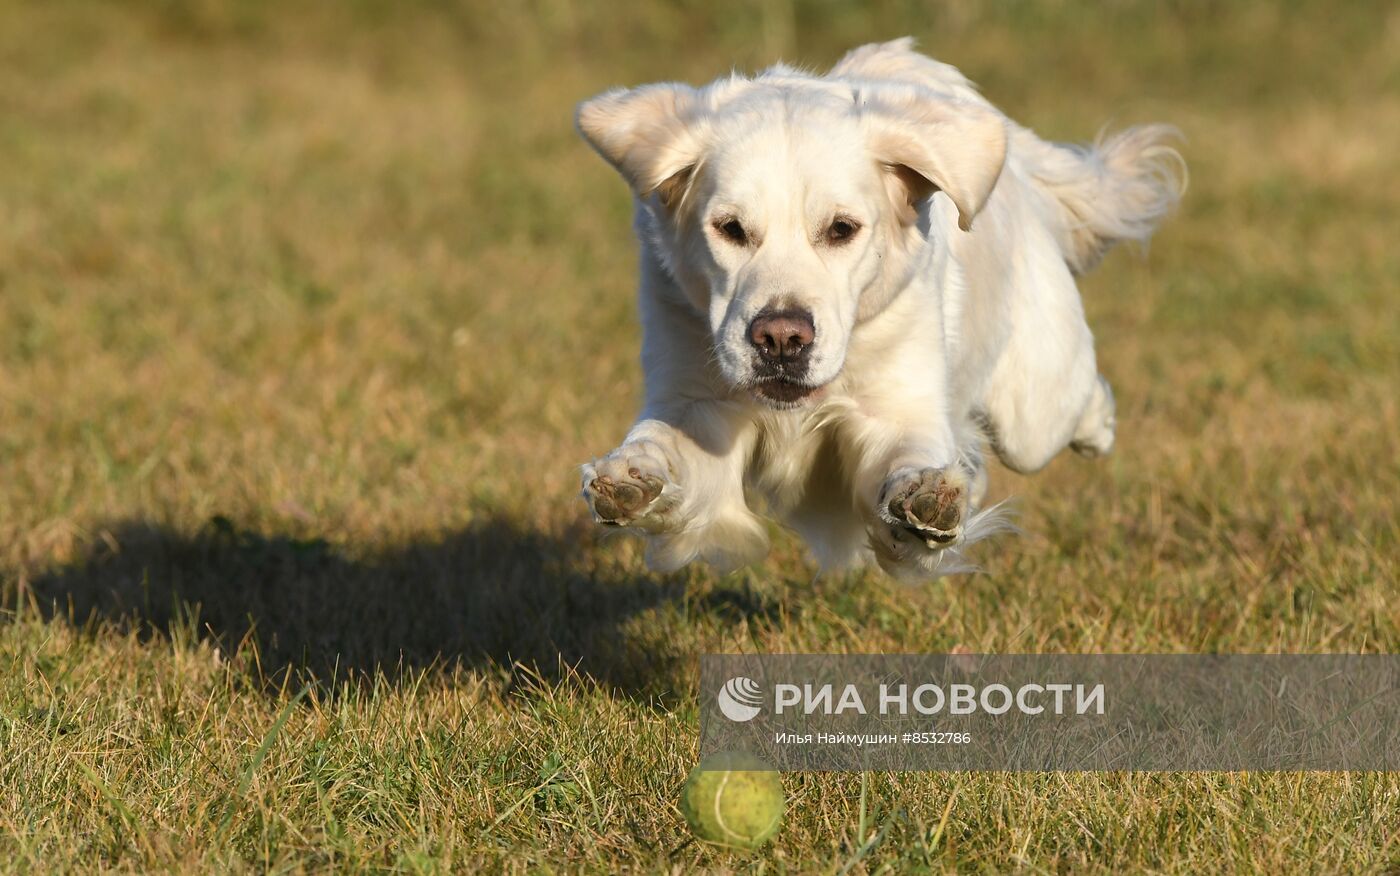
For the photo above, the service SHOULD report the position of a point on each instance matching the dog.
(851, 284)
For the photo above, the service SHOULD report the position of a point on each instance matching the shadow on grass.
(493, 595)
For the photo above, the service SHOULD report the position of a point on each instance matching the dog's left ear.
(929, 144)
(647, 133)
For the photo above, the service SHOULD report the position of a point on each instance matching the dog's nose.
(782, 335)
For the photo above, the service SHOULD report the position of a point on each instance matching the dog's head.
(785, 207)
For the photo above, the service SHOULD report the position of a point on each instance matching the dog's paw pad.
(931, 503)
(940, 511)
(631, 486)
(619, 501)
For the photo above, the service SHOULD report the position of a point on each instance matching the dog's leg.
(1044, 392)
(678, 480)
(923, 500)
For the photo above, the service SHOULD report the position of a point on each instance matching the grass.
(308, 313)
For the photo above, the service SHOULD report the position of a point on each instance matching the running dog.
(850, 285)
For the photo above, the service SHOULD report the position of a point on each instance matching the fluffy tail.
(1118, 188)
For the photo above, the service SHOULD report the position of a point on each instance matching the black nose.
(783, 336)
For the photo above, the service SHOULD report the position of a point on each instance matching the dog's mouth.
(783, 393)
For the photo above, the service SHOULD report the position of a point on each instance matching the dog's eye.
(841, 230)
(732, 231)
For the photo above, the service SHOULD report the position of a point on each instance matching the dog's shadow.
(491, 596)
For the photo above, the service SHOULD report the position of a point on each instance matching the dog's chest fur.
(800, 473)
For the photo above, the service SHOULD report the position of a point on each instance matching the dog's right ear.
(647, 133)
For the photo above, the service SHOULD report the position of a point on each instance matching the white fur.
(933, 332)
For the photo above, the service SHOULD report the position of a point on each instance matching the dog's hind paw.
(931, 503)
(1094, 434)
(632, 486)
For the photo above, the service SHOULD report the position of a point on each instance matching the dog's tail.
(1118, 188)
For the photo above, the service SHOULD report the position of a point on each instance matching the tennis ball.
(733, 799)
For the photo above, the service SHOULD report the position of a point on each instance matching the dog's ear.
(647, 133)
(929, 144)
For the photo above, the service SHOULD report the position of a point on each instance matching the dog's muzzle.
(782, 341)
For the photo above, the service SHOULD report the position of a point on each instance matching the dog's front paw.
(632, 486)
(931, 503)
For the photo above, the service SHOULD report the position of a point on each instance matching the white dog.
(849, 282)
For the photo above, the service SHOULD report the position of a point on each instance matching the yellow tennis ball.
(733, 799)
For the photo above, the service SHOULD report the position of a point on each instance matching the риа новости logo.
(740, 699)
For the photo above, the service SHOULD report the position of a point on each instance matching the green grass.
(308, 312)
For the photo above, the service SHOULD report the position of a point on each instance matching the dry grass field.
(308, 313)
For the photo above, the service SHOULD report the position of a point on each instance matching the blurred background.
(309, 311)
